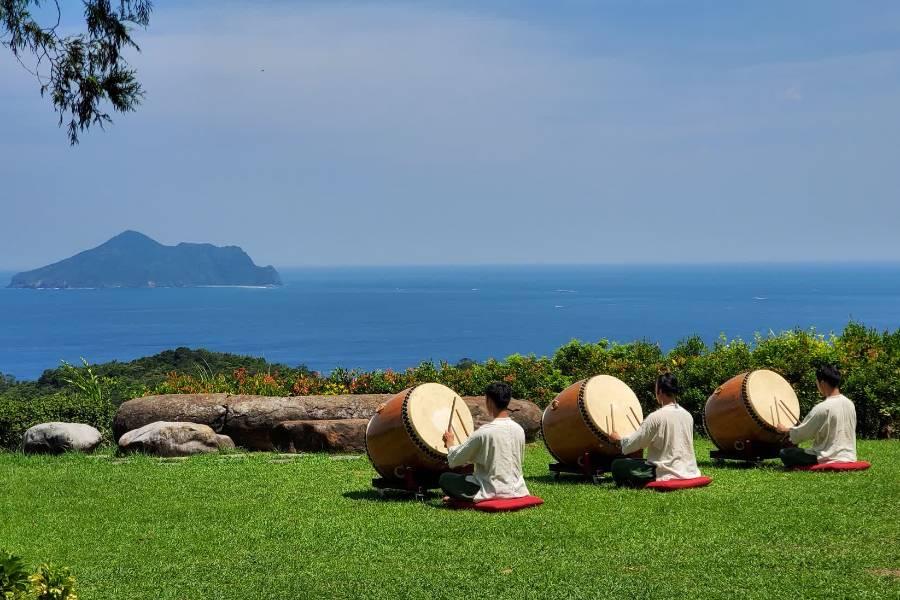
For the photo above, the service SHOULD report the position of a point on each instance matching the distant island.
(133, 260)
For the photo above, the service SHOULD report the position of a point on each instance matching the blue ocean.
(375, 318)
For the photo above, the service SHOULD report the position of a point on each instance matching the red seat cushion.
(497, 504)
(678, 484)
(859, 465)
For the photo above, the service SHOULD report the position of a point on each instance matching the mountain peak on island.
(134, 260)
(130, 236)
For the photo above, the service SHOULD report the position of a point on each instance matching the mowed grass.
(310, 527)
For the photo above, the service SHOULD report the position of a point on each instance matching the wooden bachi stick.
(631, 408)
(450, 422)
(788, 411)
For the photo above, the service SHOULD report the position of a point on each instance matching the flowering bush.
(869, 359)
(48, 583)
(52, 583)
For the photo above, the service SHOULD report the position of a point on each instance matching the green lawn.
(310, 527)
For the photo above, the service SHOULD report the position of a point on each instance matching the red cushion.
(859, 465)
(678, 484)
(497, 504)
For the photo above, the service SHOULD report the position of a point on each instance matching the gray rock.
(164, 438)
(56, 438)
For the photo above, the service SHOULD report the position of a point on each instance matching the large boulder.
(206, 409)
(251, 419)
(328, 435)
(524, 412)
(164, 438)
(56, 438)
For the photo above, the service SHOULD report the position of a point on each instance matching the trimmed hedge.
(869, 360)
(18, 414)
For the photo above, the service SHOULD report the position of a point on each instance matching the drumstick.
(450, 423)
(630, 420)
(463, 425)
(612, 417)
(788, 411)
(452, 410)
(772, 410)
(631, 408)
(461, 422)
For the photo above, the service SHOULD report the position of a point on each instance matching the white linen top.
(831, 425)
(496, 449)
(668, 435)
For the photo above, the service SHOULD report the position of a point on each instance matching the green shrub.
(869, 359)
(18, 414)
(13, 577)
(47, 583)
(53, 583)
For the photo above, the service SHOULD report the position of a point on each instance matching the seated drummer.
(831, 425)
(495, 449)
(668, 435)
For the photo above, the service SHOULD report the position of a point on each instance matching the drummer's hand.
(614, 436)
(782, 429)
(449, 439)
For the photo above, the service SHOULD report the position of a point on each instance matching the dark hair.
(500, 393)
(829, 374)
(667, 383)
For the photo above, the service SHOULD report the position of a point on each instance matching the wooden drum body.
(580, 417)
(742, 414)
(406, 431)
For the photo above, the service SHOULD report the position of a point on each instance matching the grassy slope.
(250, 528)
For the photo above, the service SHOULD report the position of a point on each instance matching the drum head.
(772, 398)
(611, 404)
(428, 411)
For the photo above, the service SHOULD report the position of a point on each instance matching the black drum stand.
(748, 453)
(590, 466)
(417, 485)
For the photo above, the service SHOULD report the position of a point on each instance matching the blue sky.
(480, 132)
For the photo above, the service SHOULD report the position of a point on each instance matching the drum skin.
(391, 447)
(566, 433)
(731, 426)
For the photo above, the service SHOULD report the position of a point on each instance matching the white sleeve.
(465, 453)
(641, 438)
(810, 425)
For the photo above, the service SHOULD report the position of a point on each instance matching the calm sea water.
(395, 317)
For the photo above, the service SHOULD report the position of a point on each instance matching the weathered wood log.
(206, 409)
(326, 435)
(250, 420)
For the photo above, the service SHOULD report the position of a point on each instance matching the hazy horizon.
(467, 133)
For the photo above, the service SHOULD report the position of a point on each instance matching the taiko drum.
(406, 432)
(742, 415)
(580, 418)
